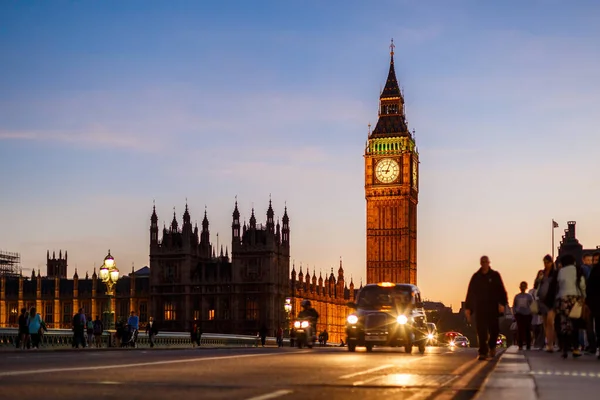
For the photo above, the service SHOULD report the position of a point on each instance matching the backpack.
(97, 327)
(90, 325)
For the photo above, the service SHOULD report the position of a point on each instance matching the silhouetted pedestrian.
(486, 302)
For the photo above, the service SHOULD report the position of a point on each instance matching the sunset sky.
(107, 105)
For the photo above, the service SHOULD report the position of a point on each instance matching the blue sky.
(105, 106)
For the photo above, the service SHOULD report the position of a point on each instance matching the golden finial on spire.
(392, 46)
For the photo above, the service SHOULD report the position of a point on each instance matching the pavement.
(524, 375)
(246, 374)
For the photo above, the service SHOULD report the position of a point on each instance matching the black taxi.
(387, 314)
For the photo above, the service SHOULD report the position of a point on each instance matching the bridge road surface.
(246, 374)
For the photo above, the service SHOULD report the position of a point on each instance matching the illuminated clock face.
(387, 170)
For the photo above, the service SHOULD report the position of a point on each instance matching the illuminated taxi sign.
(386, 284)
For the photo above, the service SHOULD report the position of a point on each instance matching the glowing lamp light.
(402, 320)
(452, 343)
(430, 336)
(109, 261)
(304, 324)
(386, 284)
(114, 275)
(288, 305)
(352, 319)
(297, 324)
(104, 273)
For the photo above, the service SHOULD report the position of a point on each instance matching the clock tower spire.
(391, 190)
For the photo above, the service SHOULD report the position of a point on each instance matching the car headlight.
(304, 324)
(430, 336)
(402, 319)
(452, 343)
(297, 324)
(352, 319)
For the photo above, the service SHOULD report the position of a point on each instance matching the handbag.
(534, 307)
(577, 310)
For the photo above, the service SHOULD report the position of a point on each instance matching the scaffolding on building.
(10, 263)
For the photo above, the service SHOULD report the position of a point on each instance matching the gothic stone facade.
(391, 191)
(57, 298)
(190, 282)
(328, 296)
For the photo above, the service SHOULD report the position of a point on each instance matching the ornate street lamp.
(288, 309)
(109, 274)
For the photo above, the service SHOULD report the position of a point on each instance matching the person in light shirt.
(522, 312)
(571, 294)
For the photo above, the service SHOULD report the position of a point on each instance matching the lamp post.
(109, 274)
(288, 309)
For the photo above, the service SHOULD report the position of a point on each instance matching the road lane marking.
(367, 371)
(142, 364)
(272, 395)
(460, 382)
(407, 361)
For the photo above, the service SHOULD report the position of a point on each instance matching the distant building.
(328, 296)
(57, 298)
(190, 282)
(569, 244)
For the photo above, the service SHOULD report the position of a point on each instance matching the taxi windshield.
(376, 297)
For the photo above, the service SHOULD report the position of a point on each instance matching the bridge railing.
(64, 338)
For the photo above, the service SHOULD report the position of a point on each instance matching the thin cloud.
(91, 139)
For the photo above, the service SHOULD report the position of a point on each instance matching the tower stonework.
(56, 267)
(391, 190)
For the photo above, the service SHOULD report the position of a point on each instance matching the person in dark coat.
(23, 338)
(593, 301)
(486, 302)
(263, 335)
(196, 334)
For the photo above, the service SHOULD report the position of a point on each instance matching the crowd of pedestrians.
(31, 329)
(560, 313)
(565, 299)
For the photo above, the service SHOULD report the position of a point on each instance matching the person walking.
(263, 335)
(537, 321)
(569, 301)
(593, 302)
(36, 326)
(79, 325)
(587, 336)
(23, 338)
(196, 334)
(546, 298)
(98, 329)
(522, 312)
(151, 331)
(90, 331)
(486, 301)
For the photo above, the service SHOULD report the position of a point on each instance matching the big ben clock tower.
(391, 190)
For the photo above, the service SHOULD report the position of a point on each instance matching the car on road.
(432, 334)
(460, 341)
(387, 314)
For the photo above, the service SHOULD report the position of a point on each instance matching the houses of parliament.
(244, 287)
